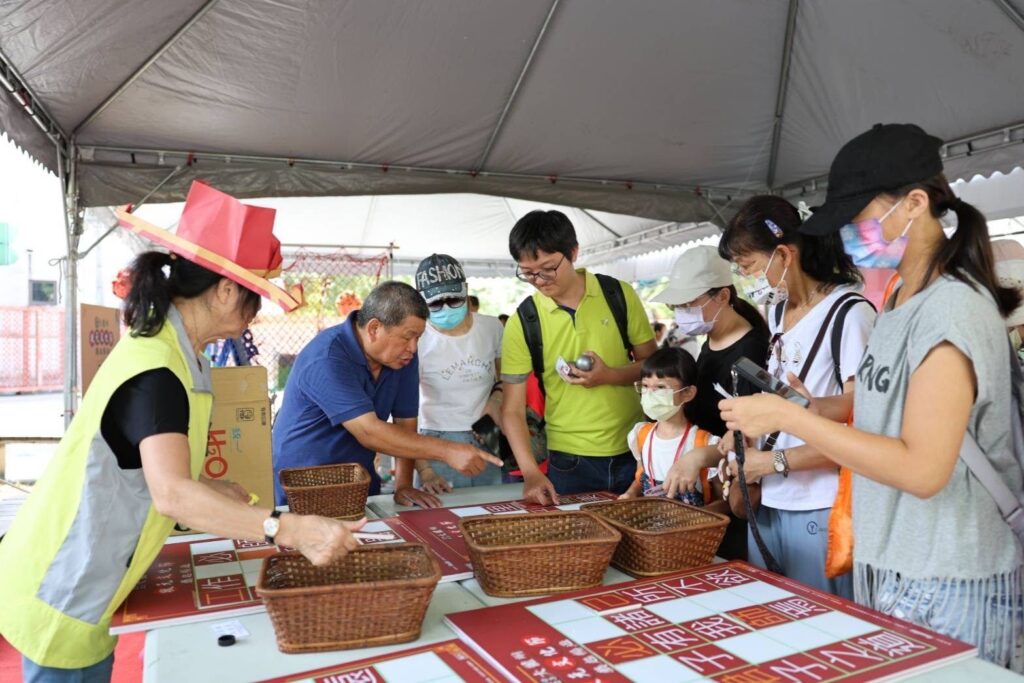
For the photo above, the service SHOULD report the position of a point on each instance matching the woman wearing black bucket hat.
(930, 543)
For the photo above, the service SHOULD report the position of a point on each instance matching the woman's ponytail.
(748, 312)
(145, 307)
(967, 254)
(153, 289)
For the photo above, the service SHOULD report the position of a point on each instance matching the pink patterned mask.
(864, 241)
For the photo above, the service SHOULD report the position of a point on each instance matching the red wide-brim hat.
(220, 233)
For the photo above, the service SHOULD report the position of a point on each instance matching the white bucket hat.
(695, 272)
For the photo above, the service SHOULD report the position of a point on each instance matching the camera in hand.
(765, 381)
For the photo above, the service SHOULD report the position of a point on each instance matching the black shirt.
(716, 366)
(153, 402)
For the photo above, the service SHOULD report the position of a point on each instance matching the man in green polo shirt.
(588, 412)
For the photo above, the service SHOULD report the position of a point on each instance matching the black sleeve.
(716, 367)
(150, 403)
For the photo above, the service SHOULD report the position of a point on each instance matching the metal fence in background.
(334, 283)
(31, 349)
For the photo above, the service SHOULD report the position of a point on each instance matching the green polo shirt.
(591, 422)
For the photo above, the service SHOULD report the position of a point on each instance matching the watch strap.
(274, 514)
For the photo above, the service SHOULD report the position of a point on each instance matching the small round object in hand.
(584, 363)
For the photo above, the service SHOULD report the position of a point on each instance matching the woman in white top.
(459, 360)
(805, 282)
(930, 544)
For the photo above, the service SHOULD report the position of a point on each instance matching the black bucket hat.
(885, 158)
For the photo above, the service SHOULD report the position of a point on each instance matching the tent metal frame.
(978, 143)
(515, 88)
(780, 96)
(141, 156)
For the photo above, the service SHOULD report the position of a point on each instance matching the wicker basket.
(537, 554)
(373, 596)
(660, 535)
(328, 490)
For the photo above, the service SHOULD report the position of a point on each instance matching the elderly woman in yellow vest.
(128, 466)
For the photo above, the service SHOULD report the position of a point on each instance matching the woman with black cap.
(930, 543)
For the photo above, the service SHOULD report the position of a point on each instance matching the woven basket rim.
(335, 465)
(421, 582)
(715, 518)
(611, 532)
(362, 477)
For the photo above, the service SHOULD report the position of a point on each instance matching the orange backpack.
(699, 441)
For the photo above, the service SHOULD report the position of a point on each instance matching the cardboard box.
(238, 448)
(100, 331)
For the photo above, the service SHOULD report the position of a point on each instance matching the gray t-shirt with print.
(959, 531)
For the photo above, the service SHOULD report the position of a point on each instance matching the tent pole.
(780, 96)
(515, 88)
(600, 222)
(109, 99)
(73, 231)
(1012, 12)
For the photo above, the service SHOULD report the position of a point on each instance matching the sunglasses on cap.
(451, 302)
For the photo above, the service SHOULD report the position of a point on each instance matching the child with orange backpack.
(667, 380)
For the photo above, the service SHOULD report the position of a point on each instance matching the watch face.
(271, 526)
(779, 465)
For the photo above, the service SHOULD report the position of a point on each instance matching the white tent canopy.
(473, 228)
(645, 108)
(668, 110)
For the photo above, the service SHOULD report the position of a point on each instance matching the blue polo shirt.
(330, 384)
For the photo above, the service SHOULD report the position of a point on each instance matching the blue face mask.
(449, 318)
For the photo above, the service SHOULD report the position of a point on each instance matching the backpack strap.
(1007, 500)
(530, 320)
(700, 441)
(641, 439)
(777, 311)
(837, 333)
(812, 354)
(612, 289)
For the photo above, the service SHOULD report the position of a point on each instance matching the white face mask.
(762, 292)
(660, 404)
(690, 320)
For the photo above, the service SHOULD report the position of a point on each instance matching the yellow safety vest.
(89, 531)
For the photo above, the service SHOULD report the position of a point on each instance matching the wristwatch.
(271, 525)
(780, 463)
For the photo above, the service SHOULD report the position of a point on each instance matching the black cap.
(886, 158)
(440, 275)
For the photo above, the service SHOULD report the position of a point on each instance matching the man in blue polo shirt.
(345, 385)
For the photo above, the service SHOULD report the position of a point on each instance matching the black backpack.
(530, 320)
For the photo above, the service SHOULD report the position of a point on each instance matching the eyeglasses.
(544, 274)
(641, 389)
(452, 302)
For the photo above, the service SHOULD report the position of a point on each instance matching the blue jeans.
(582, 474)
(490, 476)
(97, 673)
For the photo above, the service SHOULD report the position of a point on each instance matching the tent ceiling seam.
(515, 88)
(109, 99)
(780, 96)
(600, 222)
(1012, 12)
